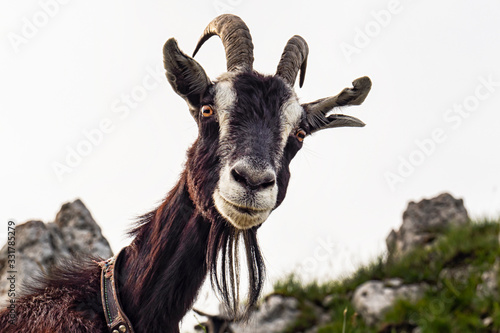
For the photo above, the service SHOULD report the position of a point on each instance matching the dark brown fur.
(67, 301)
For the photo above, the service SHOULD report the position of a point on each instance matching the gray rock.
(487, 321)
(423, 221)
(373, 299)
(80, 232)
(273, 316)
(328, 300)
(489, 284)
(460, 274)
(39, 245)
(393, 283)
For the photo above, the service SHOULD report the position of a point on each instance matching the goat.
(250, 127)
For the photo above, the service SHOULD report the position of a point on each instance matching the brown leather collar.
(115, 317)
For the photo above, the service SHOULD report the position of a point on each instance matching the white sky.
(74, 70)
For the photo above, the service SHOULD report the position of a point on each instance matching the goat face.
(250, 125)
(257, 118)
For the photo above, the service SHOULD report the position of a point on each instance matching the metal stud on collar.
(121, 329)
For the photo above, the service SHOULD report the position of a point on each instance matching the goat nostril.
(252, 179)
(268, 184)
(239, 178)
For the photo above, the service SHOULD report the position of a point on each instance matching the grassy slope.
(450, 305)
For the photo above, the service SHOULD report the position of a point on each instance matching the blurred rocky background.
(440, 274)
(39, 245)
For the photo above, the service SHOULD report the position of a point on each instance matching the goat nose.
(251, 178)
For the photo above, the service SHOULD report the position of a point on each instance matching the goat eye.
(207, 111)
(301, 135)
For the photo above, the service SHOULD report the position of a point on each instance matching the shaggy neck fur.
(165, 265)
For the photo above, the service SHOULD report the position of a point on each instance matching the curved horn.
(236, 39)
(317, 111)
(349, 96)
(294, 57)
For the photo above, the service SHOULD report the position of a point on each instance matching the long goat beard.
(223, 262)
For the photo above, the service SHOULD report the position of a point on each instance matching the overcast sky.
(87, 113)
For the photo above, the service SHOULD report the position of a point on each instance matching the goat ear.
(316, 111)
(186, 76)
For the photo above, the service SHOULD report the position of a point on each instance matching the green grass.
(451, 304)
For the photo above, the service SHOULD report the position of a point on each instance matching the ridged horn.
(293, 59)
(236, 39)
(349, 96)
